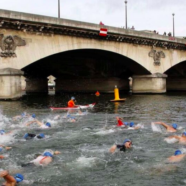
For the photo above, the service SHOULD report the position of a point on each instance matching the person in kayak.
(169, 128)
(127, 143)
(11, 180)
(71, 104)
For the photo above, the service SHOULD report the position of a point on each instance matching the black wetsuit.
(121, 147)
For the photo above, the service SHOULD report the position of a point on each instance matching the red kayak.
(74, 108)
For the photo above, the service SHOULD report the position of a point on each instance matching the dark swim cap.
(47, 154)
(48, 124)
(174, 125)
(177, 152)
(131, 124)
(126, 140)
(19, 178)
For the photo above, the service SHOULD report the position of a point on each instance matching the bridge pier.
(176, 84)
(10, 83)
(36, 85)
(154, 83)
(105, 85)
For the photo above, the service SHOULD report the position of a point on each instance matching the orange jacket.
(71, 103)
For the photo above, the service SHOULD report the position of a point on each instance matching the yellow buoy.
(116, 95)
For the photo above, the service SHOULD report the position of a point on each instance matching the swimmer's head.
(1, 149)
(126, 140)
(33, 115)
(174, 125)
(131, 124)
(184, 134)
(19, 178)
(177, 152)
(48, 124)
(73, 98)
(25, 136)
(127, 143)
(41, 135)
(2, 132)
(70, 117)
(23, 114)
(126, 123)
(47, 154)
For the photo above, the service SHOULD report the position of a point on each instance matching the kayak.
(74, 108)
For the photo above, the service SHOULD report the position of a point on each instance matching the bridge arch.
(85, 66)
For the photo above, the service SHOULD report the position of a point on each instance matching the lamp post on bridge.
(125, 14)
(173, 23)
(58, 8)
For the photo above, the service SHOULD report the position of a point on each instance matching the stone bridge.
(81, 60)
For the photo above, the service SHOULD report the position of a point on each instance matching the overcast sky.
(142, 14)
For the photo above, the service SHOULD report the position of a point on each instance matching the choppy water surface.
(85, 159)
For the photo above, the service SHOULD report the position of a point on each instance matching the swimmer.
(172, 128)
(68, 116)
(177, 157)
(24, 115)
(41, 124)
(71, 118)
(127, 143)
(28, 136)
(132, 126)
(1, 149)
(11, 180)
(120, 123)
(45, 158)
(2, 132)
(181, 139)
(71, 103)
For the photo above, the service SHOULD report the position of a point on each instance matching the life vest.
(71, 103)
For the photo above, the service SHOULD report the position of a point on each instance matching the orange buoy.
(116, 94)
(97, 93)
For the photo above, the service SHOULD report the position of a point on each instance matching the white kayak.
(74, 108)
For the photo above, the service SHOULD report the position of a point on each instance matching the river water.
(84, 145)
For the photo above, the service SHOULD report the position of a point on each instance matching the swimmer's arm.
(9, 179)
(16, 117)
(9, 132)
(113, 148)
(163, 124)
(7, 148)
(177, 137)
(56, 152)
(29, 123)
(39, 122)
(137, 127)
